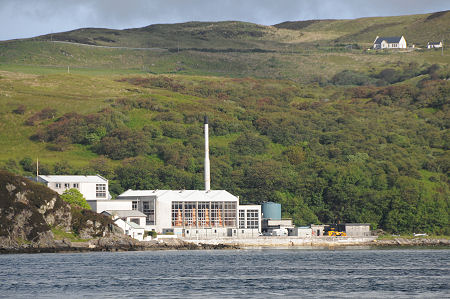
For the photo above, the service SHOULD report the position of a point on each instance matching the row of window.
(100, 189)
(203, 214)
(67, 185)
(251, 221)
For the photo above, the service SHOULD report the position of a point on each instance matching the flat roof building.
(93, 187)
(190, 213)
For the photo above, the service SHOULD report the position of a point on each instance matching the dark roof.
(389, 40)
(434, 43)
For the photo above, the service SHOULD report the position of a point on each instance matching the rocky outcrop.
(413, 242)
(28, 212)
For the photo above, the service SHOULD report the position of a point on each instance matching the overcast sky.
(27, 18)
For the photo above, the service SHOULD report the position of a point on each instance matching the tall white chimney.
(207, 173)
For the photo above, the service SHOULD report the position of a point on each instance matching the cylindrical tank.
(271, 210)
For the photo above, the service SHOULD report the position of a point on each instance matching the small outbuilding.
(355, 229)
(131, 229)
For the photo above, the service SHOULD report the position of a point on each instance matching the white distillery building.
(189, 213)
(92, 187)
(395, 42)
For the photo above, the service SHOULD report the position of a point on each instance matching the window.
(204, 215)
(190, 213)
(177, 213)
(66, 185)
(229, 211)
(216, 214)
(148, 208)
(134, 205)
(252, 219)
(242, 218)
(75, 185)
(135, 220)
(58, 185)
(100, 190)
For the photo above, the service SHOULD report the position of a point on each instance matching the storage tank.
(271, 210)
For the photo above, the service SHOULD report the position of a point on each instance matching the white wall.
(163, 214)
(113, 205)
(87, 189)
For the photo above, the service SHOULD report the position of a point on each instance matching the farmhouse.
(432, 45)
(93, 187)
(396, 42)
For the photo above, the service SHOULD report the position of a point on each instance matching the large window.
(190, 213)
(216, 214)
(203, 214)
(229, 211)
(100, 190)
(134, 205)
(148, 208)
(252, 219)
(177, 213)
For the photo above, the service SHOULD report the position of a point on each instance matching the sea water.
(253, 273)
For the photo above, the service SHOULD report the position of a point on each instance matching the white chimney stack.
(207, 173)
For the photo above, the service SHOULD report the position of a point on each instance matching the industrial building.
(199, 214)
(189, 213)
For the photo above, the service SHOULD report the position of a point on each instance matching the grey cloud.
(26, 18)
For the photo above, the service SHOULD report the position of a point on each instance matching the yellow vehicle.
(333, 233)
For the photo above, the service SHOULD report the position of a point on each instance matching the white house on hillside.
(93, 187)
(395, 42)
(432, 45)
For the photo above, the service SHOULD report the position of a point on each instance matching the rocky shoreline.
(411, 242)
(110, 244)
(116, 244)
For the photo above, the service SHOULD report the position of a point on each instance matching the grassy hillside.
(304, 51)
(333, 133)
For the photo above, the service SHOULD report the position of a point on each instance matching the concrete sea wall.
(288, 241)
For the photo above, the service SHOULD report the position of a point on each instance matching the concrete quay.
(287, 241)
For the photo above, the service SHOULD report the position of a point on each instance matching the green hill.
(300, 51)
(331, 132)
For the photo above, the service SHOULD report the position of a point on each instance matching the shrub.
(20, 109)
(75, 198)
(45, 113)
(348, 77)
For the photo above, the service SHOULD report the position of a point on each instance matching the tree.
(75, 198)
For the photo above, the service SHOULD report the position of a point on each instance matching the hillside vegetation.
(334, 134)
(306, 51)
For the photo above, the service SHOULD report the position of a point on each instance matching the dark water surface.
(261, 273)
